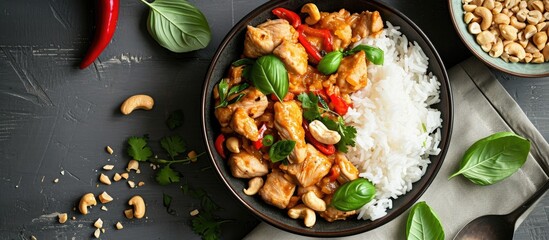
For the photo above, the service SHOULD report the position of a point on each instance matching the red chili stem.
(288, 15)
(219, 141)
(107, 17)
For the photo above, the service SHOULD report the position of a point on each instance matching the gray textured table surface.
(55, 118)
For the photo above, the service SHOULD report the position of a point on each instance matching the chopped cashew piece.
(125, 175)
(131, 184)
(128, 213)
(104, 208)
(141, 184)
(194, 212)
(108, 167)
(87, 200)
(133, 165)
(253, 186)
(62, 217)
(104, 197)
(134, 102)
(98, 223)
(117, 177)
(109, 150)
(97, 233)
(104, 179)
(119, 226)
(138, 206)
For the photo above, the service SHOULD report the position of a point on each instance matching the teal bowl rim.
(528, 70)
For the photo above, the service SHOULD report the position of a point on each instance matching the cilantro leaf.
(138, 149)
(348, 135)
(174, 145)
(175, 119)
(167, 175)
(207, 227)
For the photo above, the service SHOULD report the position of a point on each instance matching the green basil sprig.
(225, 92)
(331, 61)
(423, 223)
(494, 158)
(281, 150)
(353, 195)
(270, 76)
(178, 25)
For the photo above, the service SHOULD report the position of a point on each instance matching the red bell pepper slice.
(259, 143)
(325, 34)
(288, 15)
(340, 106)
(219, 145)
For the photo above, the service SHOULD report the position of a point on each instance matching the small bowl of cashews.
(509, 35)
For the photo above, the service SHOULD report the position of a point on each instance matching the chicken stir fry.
(281, 108)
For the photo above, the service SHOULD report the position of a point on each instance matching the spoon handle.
(514, 215)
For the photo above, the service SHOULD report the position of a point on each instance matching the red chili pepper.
(327, 149)
(340, 106)
(309, 48)
(334, 173)
(288, 15)
(105, 27)
(259, 143)
(325, 34)
(219, 145)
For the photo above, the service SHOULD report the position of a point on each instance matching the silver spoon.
(498, 227)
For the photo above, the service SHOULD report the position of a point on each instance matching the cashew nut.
(87, 200)
(528, 58)
(469, 7)
(509, 3)
(312, 10)
(62, 217)
(542, 25)
(501, 18)
(301, 211)
(132, 165)
(540, 39)
(128, 213)
(515, 51)
(233, 145)
(536, 5)
(508, 32)
(517, 24)
(531, 48)
(104, 197)
(486, 16)
(534, 17)
(311, 200)
(498, 7)
(138, 206)
(529, 31)
(486, 39)
(474, 28)
(545, 52)
(253, 186)
(522, 15)
(523, 4)
(322, 134)
(490, 4)
(538, 58)
(469, 17)
(136, 102)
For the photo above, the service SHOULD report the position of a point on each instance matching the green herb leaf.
(167, 201)
(374, 54)
(423, 223)
(494, 158)
(353, 195)
(243, 62)
(330, 62)
(174, 145)
(281, 150)
(138, 149)
(178, 25)
(175, 119)
(309, 103)
(224, 99)
(207, 227)
(223, 90)
(347, 133)
(270, 76)
(167, 175)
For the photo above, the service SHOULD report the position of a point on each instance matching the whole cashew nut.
(534, 17)
(311, 200)
(516, 23)
(474, 28)
(497, 49)
(545, 52)
(87, 200)
(134, 102)
(138, 206)
(253, 186)
(301, 211)
(516, 51)
(322, 134)
(486, 16)
(540, 39)
(312, 10)
(529, 31)
(501, 18)
(233, 145)
(508, 32)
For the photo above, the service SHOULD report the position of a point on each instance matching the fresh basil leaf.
(281, 150)
(353, 195)
(223, 90)
(238, 88)
(270, 76)
(374, 54)
(178, 25)
(243, 62)
(330, 62)
(494, 158)
(423, 224)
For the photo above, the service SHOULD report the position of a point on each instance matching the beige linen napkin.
(481, 107)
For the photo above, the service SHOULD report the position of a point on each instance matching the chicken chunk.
(347, 171)
(352, 73)
(244, 125)
(277, 190)
(310, 81)
(246, 165)
(293, 55)
(264, 38)
(338, 24)
(254, 103)
(310, 171)
(288, 120)
(366, 24)
(332, 214)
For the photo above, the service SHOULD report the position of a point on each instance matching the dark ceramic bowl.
(230, 50)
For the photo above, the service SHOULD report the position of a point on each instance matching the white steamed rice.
(397, 129)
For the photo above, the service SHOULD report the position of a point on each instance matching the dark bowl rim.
(447, 130)
(480, 55)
